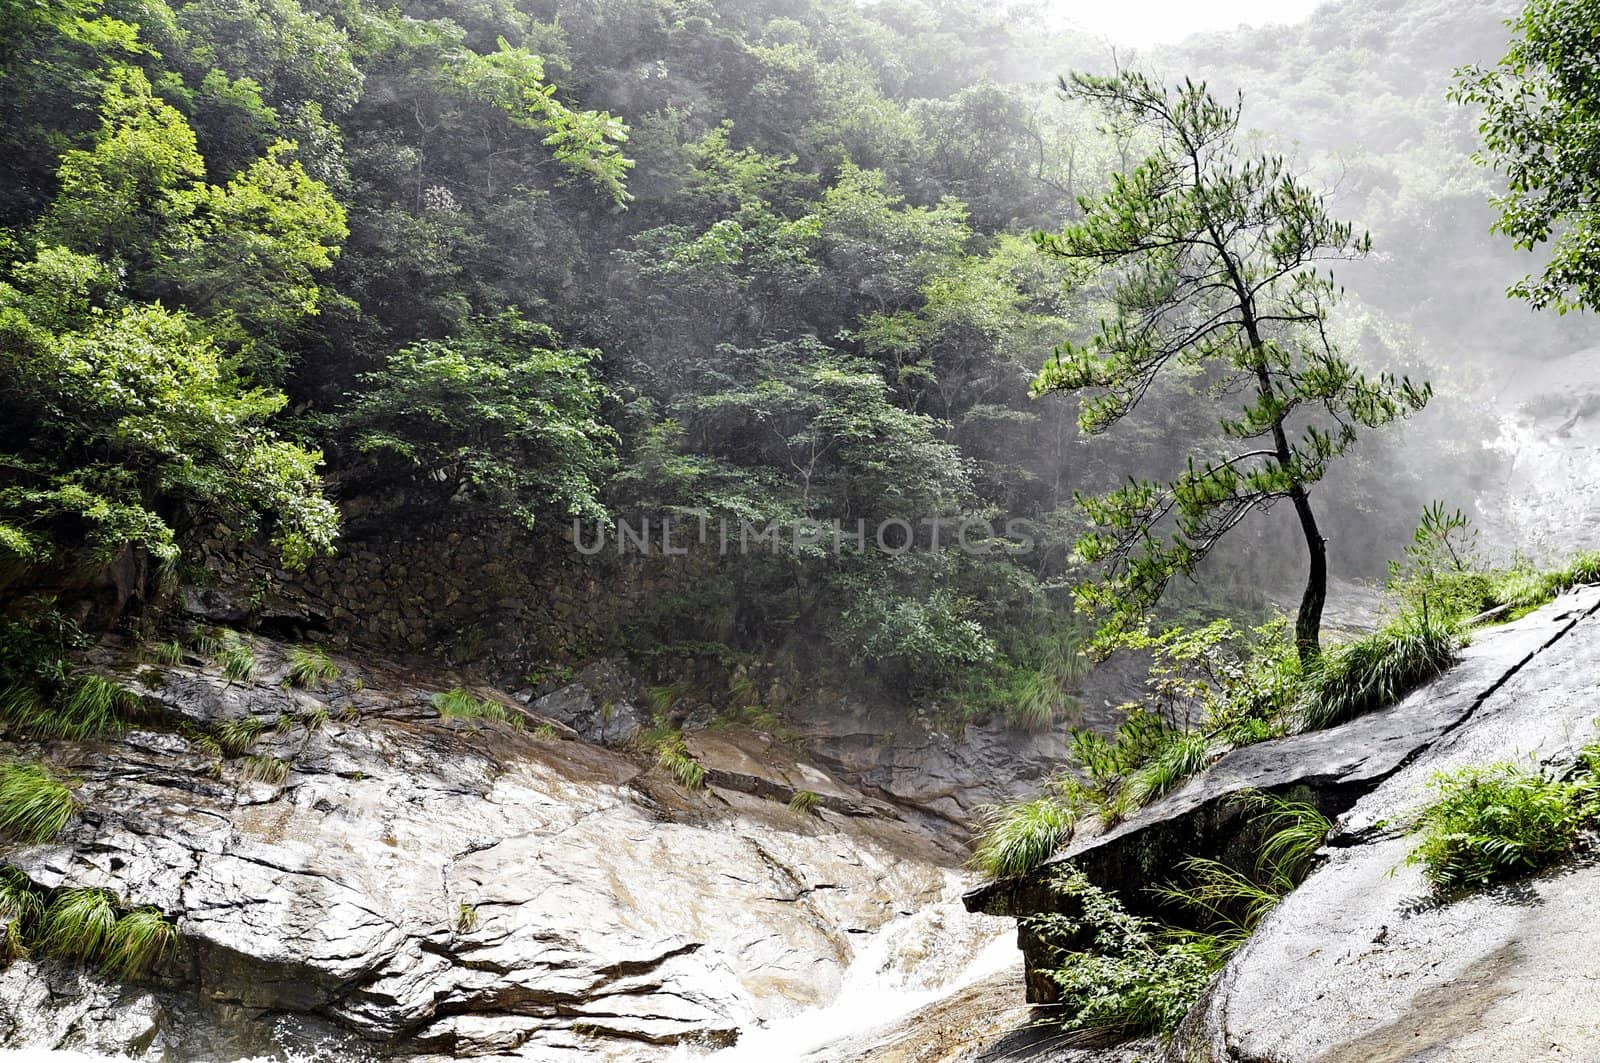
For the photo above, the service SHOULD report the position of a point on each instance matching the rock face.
(1495, 702)
(452, 887)
(1365, 962)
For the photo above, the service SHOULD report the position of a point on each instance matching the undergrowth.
(461, 704)
(35, 805)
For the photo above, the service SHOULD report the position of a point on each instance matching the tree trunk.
(1308, 623)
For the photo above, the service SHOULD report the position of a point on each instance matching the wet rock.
(459, 887)
(1366, 962)
(1333, 769)
(599, 704)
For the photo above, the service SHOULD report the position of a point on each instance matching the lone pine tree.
(1209, 259)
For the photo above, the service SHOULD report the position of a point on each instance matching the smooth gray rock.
(456, 887)
(1365, 961)
(1333, 769)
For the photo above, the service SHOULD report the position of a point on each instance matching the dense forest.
(311, 269)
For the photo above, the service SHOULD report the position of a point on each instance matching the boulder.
(1333, 769)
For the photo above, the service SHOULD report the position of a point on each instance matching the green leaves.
(501, 415)
(1208, 261)
(1538, 105)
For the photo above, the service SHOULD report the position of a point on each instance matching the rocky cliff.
(1364, 961)
(402, 883)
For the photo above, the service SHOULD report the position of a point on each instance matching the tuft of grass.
(315, 720)
(466, 918)
(22, 911)
(78, 924)
(673, 756)
(310, 666)
(237, 660)
(169, 652)
(1378, 669)
(88, 707)
(137, 941)
(1018, 838)
(235, 737)
(663, 699)
(265, 768)
(1184, 755)
(546, 732)
(35, 806)
(1232, 901)
(1491, 823)
(206, 642)
(804, 802)
(462, 704)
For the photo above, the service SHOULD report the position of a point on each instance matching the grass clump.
(235, 737)
(466, 918)
(315, 720)
(264, 768)
(168, 652)
(546, 732)
(310, 667)
(137, 941)
(1231, 901)
(1114, 970)
(22, 911)
(1377, 670)
(85, 707)
(35, 806)
(1495, 822)
(1018, 838)
(78, 924)
(237, 660)
(673, 756)
(461, 704)
(804, 802)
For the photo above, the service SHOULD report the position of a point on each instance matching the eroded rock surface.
(1365, 962)
(455, 887)
(1515, 688)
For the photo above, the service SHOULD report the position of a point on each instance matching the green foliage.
(1491, 823)
(22, 910)
(1377, 670)
(84, 707)
(501, 415)
(315, 719)
(138, 941)
(1536, 105)
(237, 660)
(1232, 902)
(310, 666)
(1114, 970)
(236, 736)
(462, 704)
(1210, 260)
(1017, 838)
(169, 652)
(265, 768)
(78, 924)
(35, 805)
(466, 918)
(804, 802)
(545, 732)
(672, 755)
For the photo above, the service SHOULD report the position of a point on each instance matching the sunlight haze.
(1164, 21)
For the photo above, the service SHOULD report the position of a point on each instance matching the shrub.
(1018, 838)
(35, 806)
(310, 666)
(803, 802)
(1494, 822)
(1378, 669)
(1114, 970)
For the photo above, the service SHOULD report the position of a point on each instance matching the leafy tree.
(1210, 263)
(125, 427)
(1538, 128)
(501, 416)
